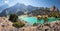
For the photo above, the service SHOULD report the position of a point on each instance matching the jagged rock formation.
(53, 8)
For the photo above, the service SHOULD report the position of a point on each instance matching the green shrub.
(13, 17)
(18, 24)
(45, 19)
(35, 24)
(55, 14)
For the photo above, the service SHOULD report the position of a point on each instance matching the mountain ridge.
(18, 8)
(4, 6)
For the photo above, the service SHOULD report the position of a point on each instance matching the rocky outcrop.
(53, 8)
(6, 25)
(52, 26)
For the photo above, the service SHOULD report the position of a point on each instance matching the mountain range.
(4, 6)
(17, 8)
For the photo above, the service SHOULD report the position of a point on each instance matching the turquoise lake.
(32, 20)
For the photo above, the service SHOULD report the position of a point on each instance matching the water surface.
(32, 20)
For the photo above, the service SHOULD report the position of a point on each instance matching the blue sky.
(37, 3)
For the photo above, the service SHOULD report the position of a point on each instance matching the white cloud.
(7, 1)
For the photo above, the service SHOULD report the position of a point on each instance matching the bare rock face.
(5, 24)
(52, 26)
(53, 8)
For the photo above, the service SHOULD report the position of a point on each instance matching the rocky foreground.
(6, 25)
